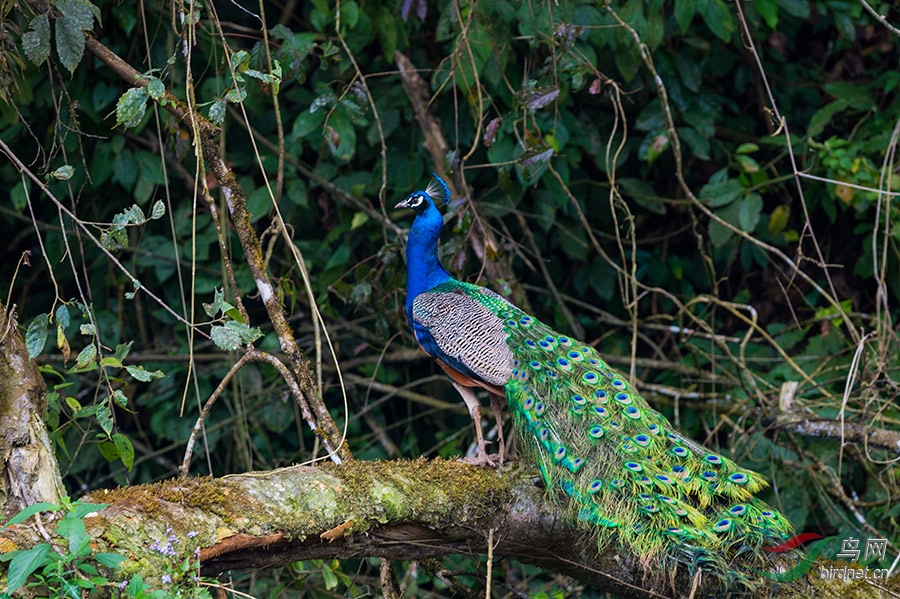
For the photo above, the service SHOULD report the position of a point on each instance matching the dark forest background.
(703, 190)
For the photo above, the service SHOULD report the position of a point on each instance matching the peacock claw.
(484, 459)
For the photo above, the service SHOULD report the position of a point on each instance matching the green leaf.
(233, 313)
(136, 285)
(655, 145)
(62, 316)
(145, 376)
(122, 350)
(721, 194)
(120, 398)
(845, 25)
(855, 95)
(747, 148)
(656, 28)
(342, 142)
(833, 313)
(684, 14)
(104, 417)
(108, 450)
(240, 61)
(768, 10)
(476, 50)
(748, 216)
(72, 529)
(136, 586)
(235, 95)
(778, 220)
(155, 88)
(264, 77)
(19, 195)
(328, 576)
(24, 563)
(131, 107)
(276, 77)
(689, 72)
(719, 234)
(63, 173)
(80, 509)
(217, 304)
(130, 216)
(69, 42)
(158, 210)
(387, 33)
(719, 20)
(86, 356)
(80, 12)
(359, 219)
(339, 257)
(36, 335)
(308, 122)
(31, 510)
(225, 338)
(36, 42)
(125, 449)
(747, 163)
(216, 112)
(232, 334)
(698, 144)
(628, 61)
(349, 14)
(796, 8)
(110, 560)
(248, 334)
(651, 118)
(823, 116)
(110, 362)
(643, 194)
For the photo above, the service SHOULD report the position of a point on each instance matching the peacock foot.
(484, 459)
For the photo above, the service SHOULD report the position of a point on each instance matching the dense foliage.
(700, 188)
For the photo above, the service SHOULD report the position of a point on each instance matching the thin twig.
(880, 18)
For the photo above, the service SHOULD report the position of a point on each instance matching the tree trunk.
(30, 473)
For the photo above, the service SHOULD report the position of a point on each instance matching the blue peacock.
(625, 471)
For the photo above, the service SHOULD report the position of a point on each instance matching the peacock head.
(420, 201)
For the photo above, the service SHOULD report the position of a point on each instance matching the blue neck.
(423, 268)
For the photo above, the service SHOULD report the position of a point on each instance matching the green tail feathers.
(629, 475)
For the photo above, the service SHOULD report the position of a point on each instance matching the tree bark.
(30, 473)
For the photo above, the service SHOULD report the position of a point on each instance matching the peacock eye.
(415, 200)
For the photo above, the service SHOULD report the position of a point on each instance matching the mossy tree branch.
(398, 510)
(401, 510)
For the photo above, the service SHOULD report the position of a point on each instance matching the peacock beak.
(404, 203)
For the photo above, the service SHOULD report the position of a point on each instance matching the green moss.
(419, 490)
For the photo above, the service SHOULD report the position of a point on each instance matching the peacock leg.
(468, 395)
(497, 409)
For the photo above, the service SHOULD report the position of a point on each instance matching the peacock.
(623, 471)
